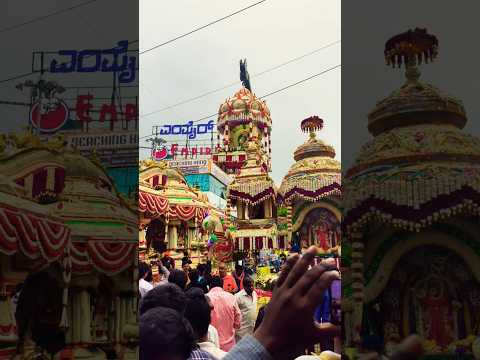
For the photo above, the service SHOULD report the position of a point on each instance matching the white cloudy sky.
(267, 35)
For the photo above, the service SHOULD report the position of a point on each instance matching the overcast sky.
(267, 35)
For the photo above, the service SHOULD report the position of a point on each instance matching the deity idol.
(322, 237)
(435, 307)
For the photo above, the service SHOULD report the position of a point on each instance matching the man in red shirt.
(226, 315)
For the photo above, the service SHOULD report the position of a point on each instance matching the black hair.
(178, 277)
(166, 295)
(238, 267)
(201, 268)
(186, 261)
(216, 281)
(193, 276)
(164, 333)
(143, 269)
(198, 312)
(248, 279)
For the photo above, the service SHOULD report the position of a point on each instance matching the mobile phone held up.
(336, 302)
(330, 310)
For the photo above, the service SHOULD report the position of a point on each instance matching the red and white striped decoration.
(108, 257)
(35, 236)
(152, 204)
(46, 179)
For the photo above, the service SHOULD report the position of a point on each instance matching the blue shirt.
(248, 348)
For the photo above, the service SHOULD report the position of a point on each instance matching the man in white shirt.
(247, 302)
(144, 273)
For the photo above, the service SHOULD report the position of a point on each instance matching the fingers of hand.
(315, 293)
(286, 268)
(304, 284)
(301, 267)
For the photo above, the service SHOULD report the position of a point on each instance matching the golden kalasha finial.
(411, 48)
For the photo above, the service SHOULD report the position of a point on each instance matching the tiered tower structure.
(242, 118)
(310, 194)
(253, 193)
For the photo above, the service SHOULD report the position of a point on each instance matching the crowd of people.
(194, 313)
(221, 308)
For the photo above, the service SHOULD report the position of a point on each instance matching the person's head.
(178, 277)
(167, 295)
(143, 270)
(248, 285)
(165, 335)
(193, 276)
(216, 281)
(201, 269)
(238, 269)
(186, 266)
(198, 313)
(166, 262)
(222, 270)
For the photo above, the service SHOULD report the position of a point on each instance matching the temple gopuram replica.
(311, 195)
(411, 215)
(171, 213)
(240, 118)
(68, 255)
(270, 221)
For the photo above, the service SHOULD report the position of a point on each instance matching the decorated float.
(411, 214)
(171, 213)
(253, 195)
(68, 255)
(310, 195)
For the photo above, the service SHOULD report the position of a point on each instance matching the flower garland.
(152, 204)
(109, 258)
(252, 192)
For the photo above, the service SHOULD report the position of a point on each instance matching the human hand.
(288, 326)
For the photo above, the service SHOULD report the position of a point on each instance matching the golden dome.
(315, 173)
(314, 154)
(314, 148)
(243, 107)
(416, 103)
